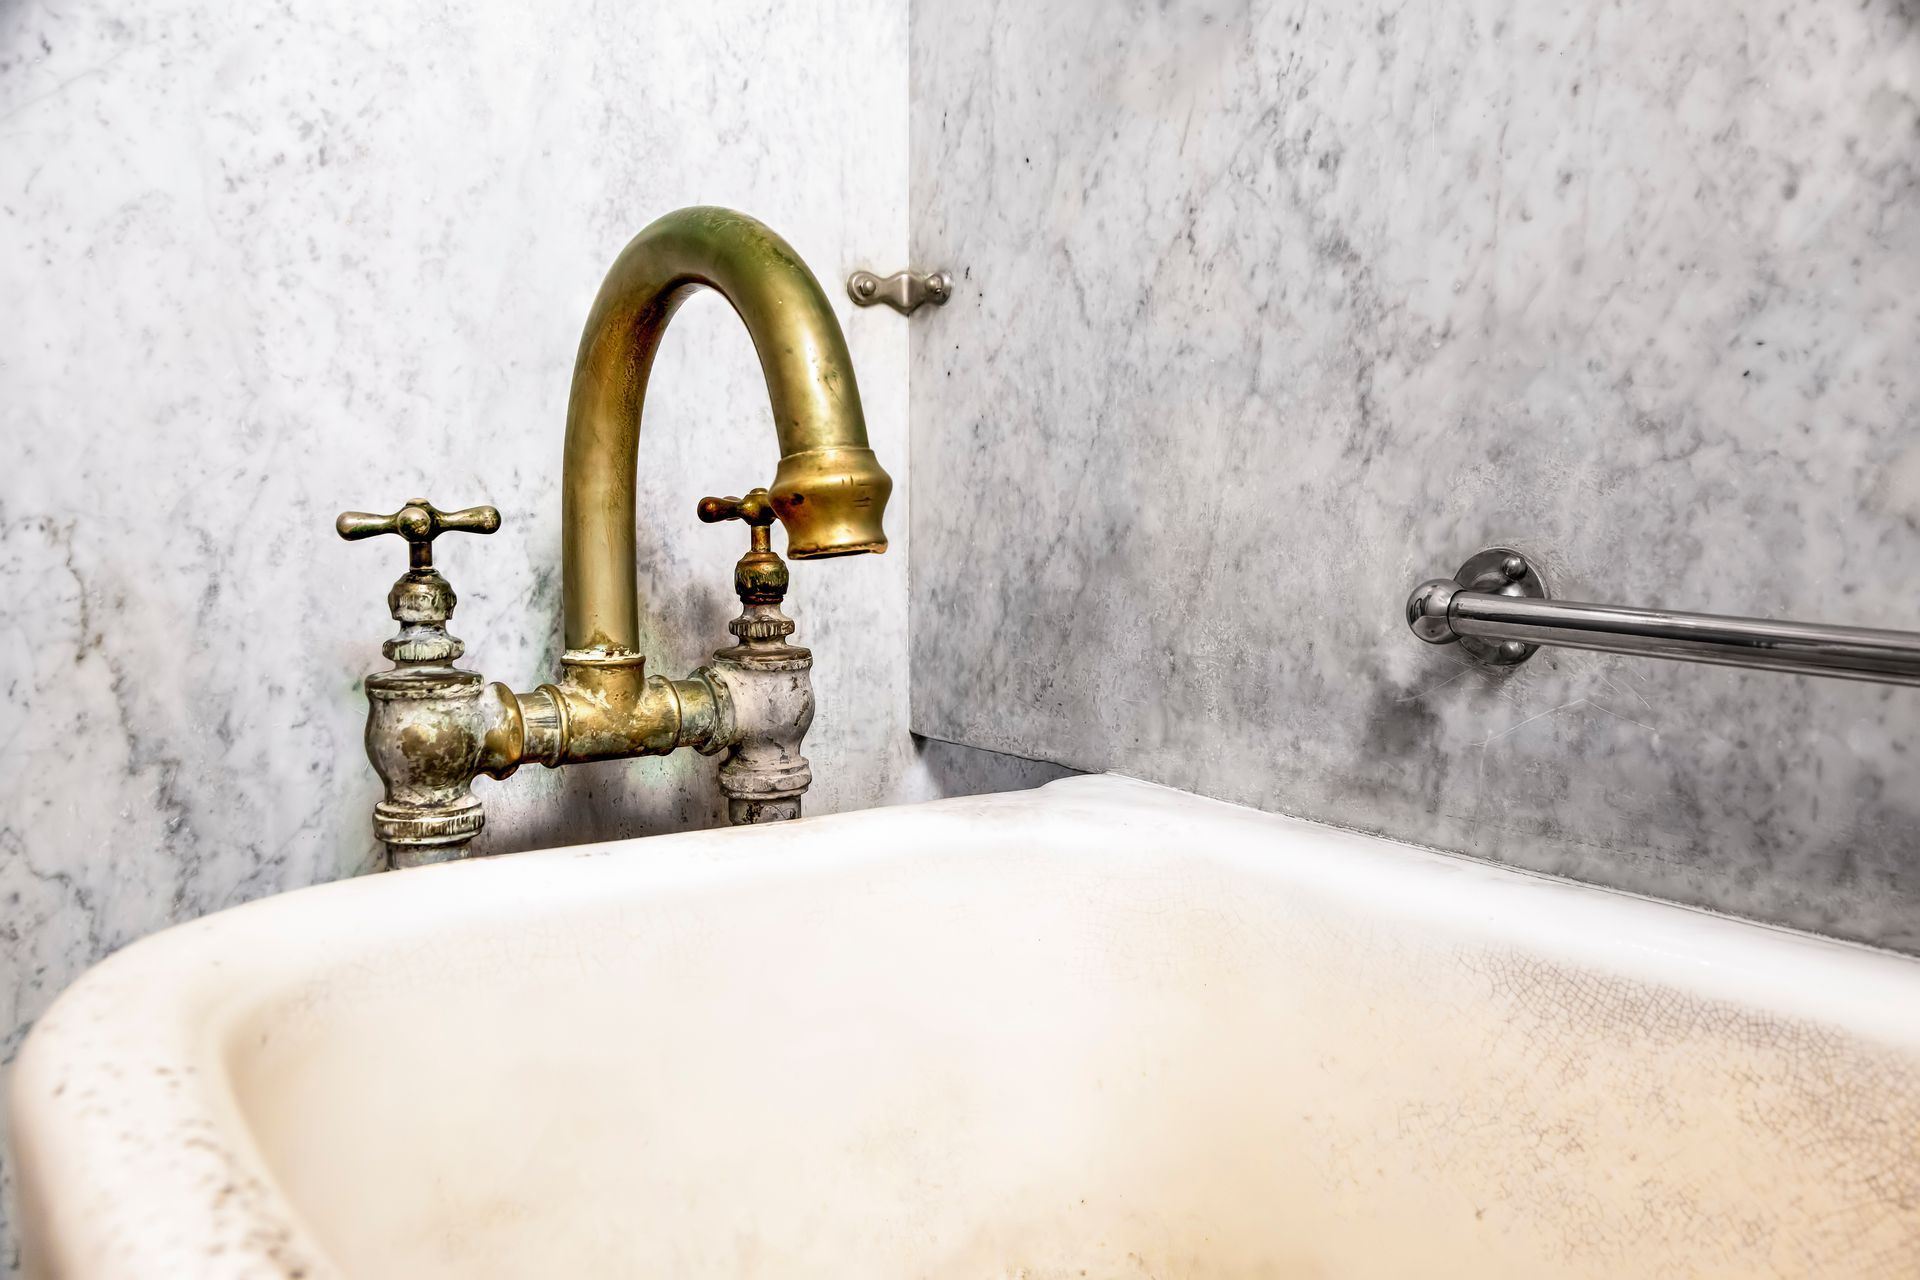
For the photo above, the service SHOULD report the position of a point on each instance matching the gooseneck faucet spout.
(829, 490)
(432, 727)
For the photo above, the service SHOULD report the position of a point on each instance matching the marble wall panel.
(1269, 311)
(262, 263)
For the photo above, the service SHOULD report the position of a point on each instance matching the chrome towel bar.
(1497, 607)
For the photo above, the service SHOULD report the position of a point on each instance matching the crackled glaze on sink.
(1101, 1028)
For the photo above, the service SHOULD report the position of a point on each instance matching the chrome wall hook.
(904, 291)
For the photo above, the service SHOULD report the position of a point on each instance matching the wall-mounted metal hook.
(904, 291)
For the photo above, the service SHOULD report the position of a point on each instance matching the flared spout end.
(831, 501)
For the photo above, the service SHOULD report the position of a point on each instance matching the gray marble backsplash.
(259, 265)
(1267, 312)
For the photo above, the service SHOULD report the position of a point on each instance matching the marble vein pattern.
(1268, 311)
(261, 264)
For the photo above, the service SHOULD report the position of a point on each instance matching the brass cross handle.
(761, 576)
(756, 509)
(419, 522)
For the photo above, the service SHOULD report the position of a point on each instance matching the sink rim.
(124, 1054)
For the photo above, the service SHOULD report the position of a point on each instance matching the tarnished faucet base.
(430, 731)
(770, 683)
(421, 739)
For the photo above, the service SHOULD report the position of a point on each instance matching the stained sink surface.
(1099, 1029)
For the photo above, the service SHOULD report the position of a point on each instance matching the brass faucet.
(433, 727)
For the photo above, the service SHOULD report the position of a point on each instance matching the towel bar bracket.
(1496, 571)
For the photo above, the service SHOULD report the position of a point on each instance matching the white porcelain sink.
(1098, 1029)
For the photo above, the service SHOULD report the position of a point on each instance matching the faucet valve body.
(431, 726)
(426, 735)
(769, 682)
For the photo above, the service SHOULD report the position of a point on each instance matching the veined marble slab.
(1267, 312)
(262, 264)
